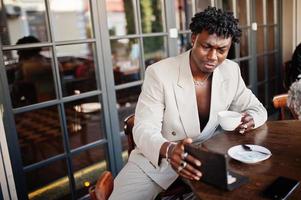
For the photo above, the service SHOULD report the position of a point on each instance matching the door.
(68, 88)
(58, 120)
(258, 53)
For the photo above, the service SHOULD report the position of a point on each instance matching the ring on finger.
(184, 155)
(183, 164)
(180, 168)
(242, 131)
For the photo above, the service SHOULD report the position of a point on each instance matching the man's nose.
(212, 55)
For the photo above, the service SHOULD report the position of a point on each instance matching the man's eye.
(205, 47)
(221, 51)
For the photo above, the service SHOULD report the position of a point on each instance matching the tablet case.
(214, 168)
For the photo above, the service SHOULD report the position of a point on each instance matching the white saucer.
(250, 157)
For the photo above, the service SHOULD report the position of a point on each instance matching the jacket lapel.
(218, 95)
(186, 98)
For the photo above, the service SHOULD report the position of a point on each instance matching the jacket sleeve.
(245, 101)
(149, 117)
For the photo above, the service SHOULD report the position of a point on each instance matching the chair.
(103, 188)
(280, 102)
(178, 188)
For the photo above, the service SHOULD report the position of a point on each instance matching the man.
(179, 102)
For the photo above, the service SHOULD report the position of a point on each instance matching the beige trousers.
(133, 184)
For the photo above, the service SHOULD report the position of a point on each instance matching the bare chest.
(203, 97)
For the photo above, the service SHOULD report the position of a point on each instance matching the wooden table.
(282, 138)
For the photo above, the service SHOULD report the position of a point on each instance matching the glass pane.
(202, 4)
(121, 17)
(184, 11)
(152, 16)
(241, 9)
(85, 121)
(49, 182)
(184, 42)
(88, 166)
(126, 102)
(127, 99)
(227, 5)
(76, 15)
(259, 11)
(78, 67)
(126, 60)
(260, 68)
(155, 49)
(244, 43)
(30, 75)
(21, 19)
(244, 68)
(271, 38)
(260, 40)
(270, 12)
(272, 65)
(272, 90)
(232, 52)
(261, 93)
(39, 134)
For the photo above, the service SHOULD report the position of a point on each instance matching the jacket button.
(173, 133)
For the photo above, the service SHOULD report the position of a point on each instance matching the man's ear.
(193, 38)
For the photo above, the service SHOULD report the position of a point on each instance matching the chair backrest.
(177, 188)
(280, 102)
(103, 188)
(128, 130)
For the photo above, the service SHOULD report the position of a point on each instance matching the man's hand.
(182, 162)
(247, 123)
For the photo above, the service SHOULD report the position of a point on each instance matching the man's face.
(208, 51)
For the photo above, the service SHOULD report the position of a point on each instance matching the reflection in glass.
(20, 18)
(39, 134)
(155, 49)
(184, 42)
(85, 121)
(126, 60)
(272, 65)
(76, 15)
(244, 43)
(121, 17)
(259, 12)
(260, 68)
(260, 40)
(126, 104)
(87, 167)
(270, 12)
(232, 52)
(227, 5)
(78, 68)
(201, 5)
(261, 93)
(53, 177)
(244, 70)
(272, 88)
(241, 10)
(271, 38)
(184, 11)
(152, 16)
(29, 74)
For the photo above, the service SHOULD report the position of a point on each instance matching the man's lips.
(210, 65)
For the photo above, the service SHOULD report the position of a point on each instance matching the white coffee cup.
(229, 120)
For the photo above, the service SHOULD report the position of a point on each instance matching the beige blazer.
(167, 110)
